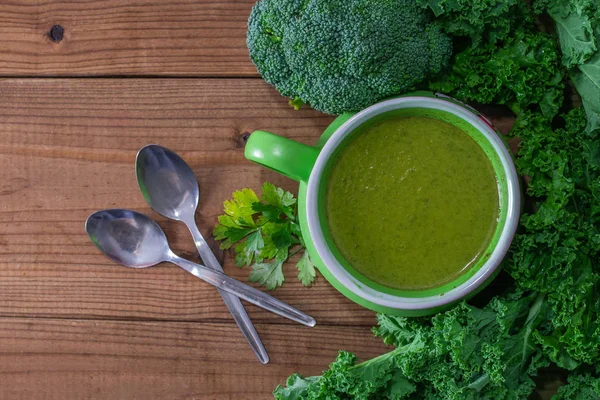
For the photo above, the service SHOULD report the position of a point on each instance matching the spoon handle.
(233, 303)
(243, 291)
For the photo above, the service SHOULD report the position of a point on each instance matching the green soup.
(412, 202)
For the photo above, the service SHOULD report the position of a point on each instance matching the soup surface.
(412, 202)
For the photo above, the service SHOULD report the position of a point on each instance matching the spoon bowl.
(127, 237)
(167, 182)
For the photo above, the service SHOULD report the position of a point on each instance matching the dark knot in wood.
(56, 33)
(240, 139)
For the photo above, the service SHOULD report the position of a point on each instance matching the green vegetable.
(578, 28)
(523, 73)
(265, 233)
(558, 251)
(480, 20)
(465, 353)
(344, 55)
(586, 79)
(580, 387)
(575, 21)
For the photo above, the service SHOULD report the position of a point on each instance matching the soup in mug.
(412, 202)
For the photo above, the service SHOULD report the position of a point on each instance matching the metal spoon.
(170, 187)
(134, 240)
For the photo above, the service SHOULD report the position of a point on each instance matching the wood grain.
(78, 359)
(134, 37)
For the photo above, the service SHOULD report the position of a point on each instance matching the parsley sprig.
(264, 234)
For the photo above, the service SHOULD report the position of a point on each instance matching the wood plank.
(67, 148)
(114, 37)
(78, 359)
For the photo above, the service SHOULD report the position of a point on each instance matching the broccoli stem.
(297, 103)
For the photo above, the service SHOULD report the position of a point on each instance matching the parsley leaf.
(264, 234)
(248, 249)
(306, 269)
(268, 274)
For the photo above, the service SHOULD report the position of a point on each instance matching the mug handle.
(292, 159)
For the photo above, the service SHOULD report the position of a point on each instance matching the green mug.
(308, 165)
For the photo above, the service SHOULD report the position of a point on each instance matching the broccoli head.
(344, 55)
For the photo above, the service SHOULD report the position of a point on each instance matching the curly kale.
(344, 55)
(524, 73)
(488, 21)
(579, 387)
(466, 353)
(557, 251)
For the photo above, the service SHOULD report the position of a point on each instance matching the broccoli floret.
(344, 55)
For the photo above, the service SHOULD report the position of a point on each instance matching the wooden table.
(78, 101)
